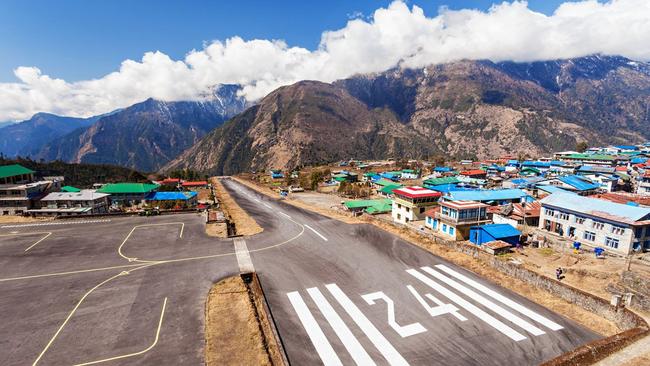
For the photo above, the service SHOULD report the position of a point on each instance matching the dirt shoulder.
(244, 224)
(10, 219)
(232, 332)
(560, 306)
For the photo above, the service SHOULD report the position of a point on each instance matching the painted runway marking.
(441, 309)
(504, 300)
(315, 232)
(485, 302)
(155, 341)
(16, 233)
(489, 319)
(56, 223)
(403, 330)
(315, 333)
(350, 342)
(285, 215)
(378, 340)
(267, 205)
(243, 256)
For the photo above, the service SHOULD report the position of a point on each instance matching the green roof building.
(440, 181)
(70, 189)
(16, 173)
(388, 190)
(372, 207)
(128, 192)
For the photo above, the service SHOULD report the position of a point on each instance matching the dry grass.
(244, 224)
(643, 360)
(9, 219)
(232, 332)
(219, 230)
(569, 310)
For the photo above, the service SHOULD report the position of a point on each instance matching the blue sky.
(84, 39)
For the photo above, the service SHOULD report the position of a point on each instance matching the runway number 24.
(414, 328)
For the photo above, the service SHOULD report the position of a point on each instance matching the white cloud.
(397, 35)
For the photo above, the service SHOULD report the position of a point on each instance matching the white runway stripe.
(284, 214)
(56, 223)
(497, 324)
(530, 328)
(315, 333)
(504, 300)
(381, 343)
(316, 232)
(350, 342)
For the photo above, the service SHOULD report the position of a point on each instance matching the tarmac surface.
(131, 291)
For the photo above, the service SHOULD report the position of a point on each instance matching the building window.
(563, 216)
(618, 230)
(408, 209)
(399, 216)
(638, 232)
(444, 228)
(611, 242)
(451, 230)
(597, 225)
(548, 212)
(590, 236)
(579, 220)
(421, 209)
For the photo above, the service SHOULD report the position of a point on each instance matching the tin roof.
(597, 207)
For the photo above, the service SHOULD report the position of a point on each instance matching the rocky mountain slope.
(27, 137)
(146, 135)
(462, 109)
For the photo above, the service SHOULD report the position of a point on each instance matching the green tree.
(581, 146)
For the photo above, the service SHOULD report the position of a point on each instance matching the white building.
(643, 185)
(410, 203)
(85, 202)
(455, 218)
(594, 222)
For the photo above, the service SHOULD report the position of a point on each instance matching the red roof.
(473, 172)
(171, 180)
(416, 192)
(193, 184)
(621, 169)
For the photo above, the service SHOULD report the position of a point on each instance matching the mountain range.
(464, 109)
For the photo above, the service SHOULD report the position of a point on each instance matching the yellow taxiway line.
(69, 272)
(123, 273)
(155, 341)
(43, 238)
(134, 259)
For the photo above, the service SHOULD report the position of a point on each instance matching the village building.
(410, 203)
(481, 235)
(83, 202)
(183, 199)
(193, 185)
(643, 184)
(620, 228)
(128, 193)
(493, 197)
(18, 190)
(517, 214)
(453, 219)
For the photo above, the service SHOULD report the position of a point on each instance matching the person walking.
(558, 273)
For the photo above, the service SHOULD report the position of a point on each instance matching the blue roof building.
(480, 235)
(494, 196)
(578, 183)
(171, 196)
(443, 169)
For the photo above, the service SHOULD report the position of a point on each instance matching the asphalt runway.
(355, 294)
(131, 291)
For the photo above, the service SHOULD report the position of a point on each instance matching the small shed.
(497, 247)
(482, 234)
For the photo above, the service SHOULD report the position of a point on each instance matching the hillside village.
(597, 199)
